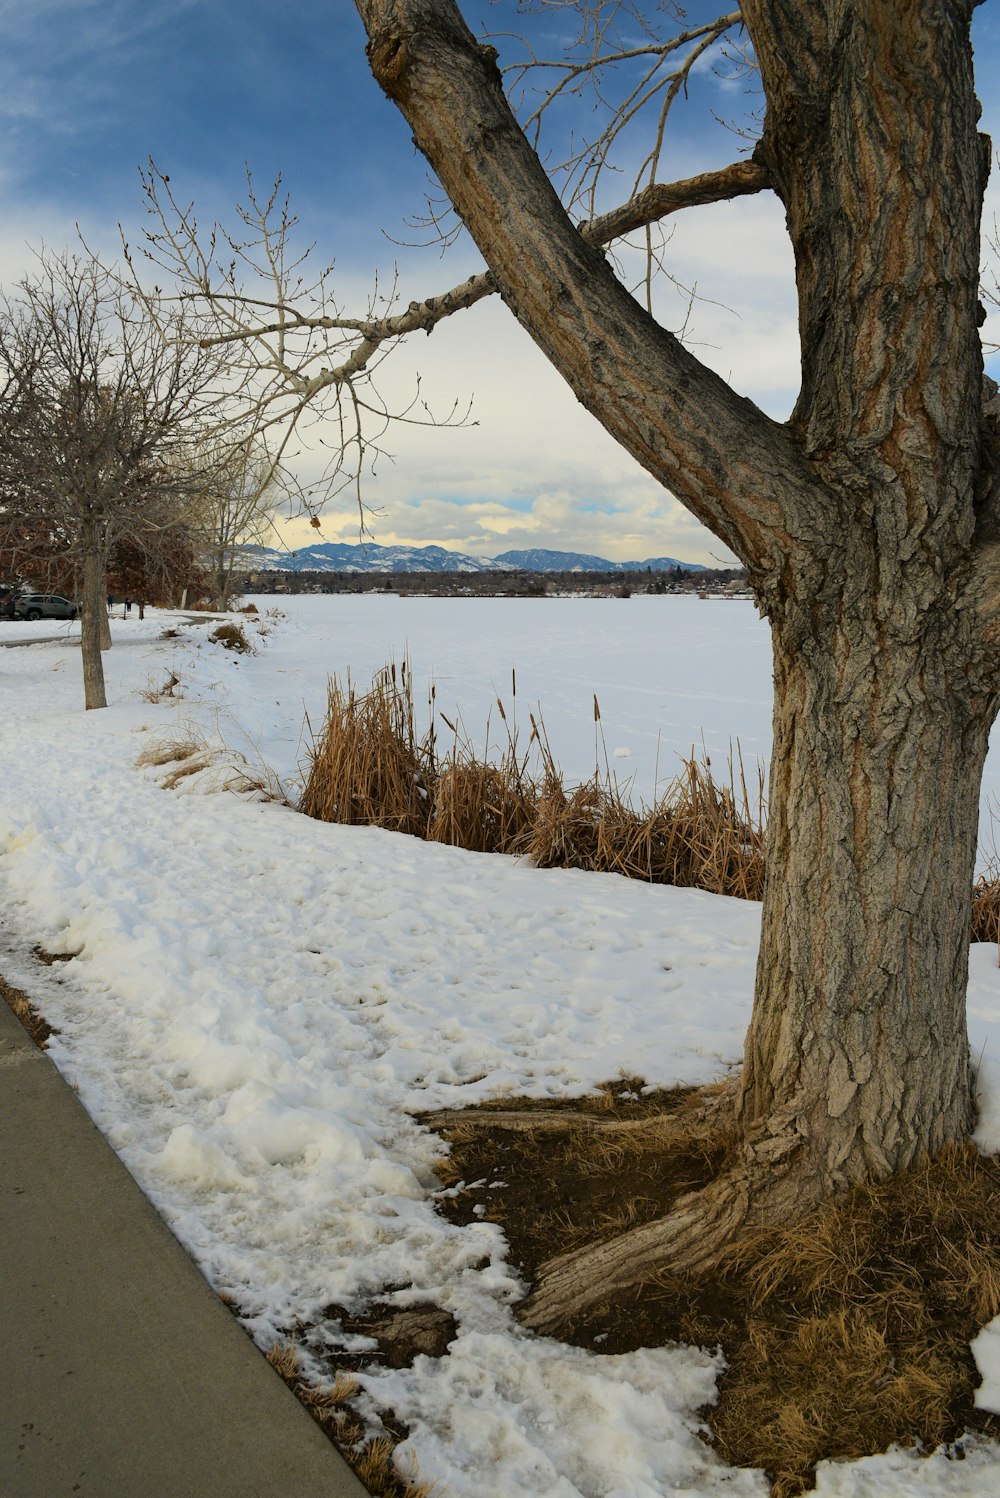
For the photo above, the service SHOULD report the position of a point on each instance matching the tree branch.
(652, 205)
(733, 467)
(636, 74)
(659, 200)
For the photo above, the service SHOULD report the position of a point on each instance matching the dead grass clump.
(857, 1323)
(232, 637)
(367, 766)
(371, 1457)
(166, 689)
(830, 1387)
(179, 758)
(168, 752)
(843, 1334)
(480, 807)
(568, 825)
(190, 767)
(286, 1360)
(698, 834)
(986, 907)
(376, 1468)
(258, 782)
(323, 1403)
(709, 836)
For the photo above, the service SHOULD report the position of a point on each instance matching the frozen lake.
(670, 673)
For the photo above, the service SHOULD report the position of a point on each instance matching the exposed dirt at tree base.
(844, 1334)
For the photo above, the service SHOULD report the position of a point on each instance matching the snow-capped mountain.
(539, 560)
(338, 556)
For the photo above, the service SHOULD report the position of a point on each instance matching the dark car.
(44, 606)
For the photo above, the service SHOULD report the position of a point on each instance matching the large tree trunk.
(857, 1048)
(94, 617)
(856, 1061)
(864, 524)
(856, 1058)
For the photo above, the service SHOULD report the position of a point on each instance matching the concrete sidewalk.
(121, 1373)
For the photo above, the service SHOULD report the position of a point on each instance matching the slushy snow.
(256, 1005)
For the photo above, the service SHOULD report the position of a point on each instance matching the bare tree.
(99, 424)
(242, 493)
(160, 563)
(869, 522)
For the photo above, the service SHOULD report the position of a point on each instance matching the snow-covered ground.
(257, 1003)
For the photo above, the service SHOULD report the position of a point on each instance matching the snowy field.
(256, 1003)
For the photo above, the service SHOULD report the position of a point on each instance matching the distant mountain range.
(338, 556)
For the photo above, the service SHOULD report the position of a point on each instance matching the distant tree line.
(515, 583)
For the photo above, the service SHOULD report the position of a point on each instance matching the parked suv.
(43, 606)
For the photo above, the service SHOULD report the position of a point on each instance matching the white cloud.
(538, 470)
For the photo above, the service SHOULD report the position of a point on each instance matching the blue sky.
(89, 89)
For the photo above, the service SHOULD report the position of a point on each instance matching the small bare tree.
(237, 507)
(100, 420)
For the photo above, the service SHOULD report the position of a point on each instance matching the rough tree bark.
(867, 524)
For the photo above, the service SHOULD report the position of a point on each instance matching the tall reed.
(369, 765)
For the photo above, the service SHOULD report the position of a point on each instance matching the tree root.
(550, 1121)
(767, 1182)
(700, 1111)
(688, 1241)
(764, 1179)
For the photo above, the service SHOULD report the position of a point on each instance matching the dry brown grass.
(177, 758)
(858, 1322)
(844, 1334)
(698, 834)
(986, 906)
(232, 637)
(163, 691)
(477, 807)
(371, 1457)
(285, 1359)
(376, 1468)
(368, 765)
(180, 758)
(34, 1023)
(168, 751)
(486, 808)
